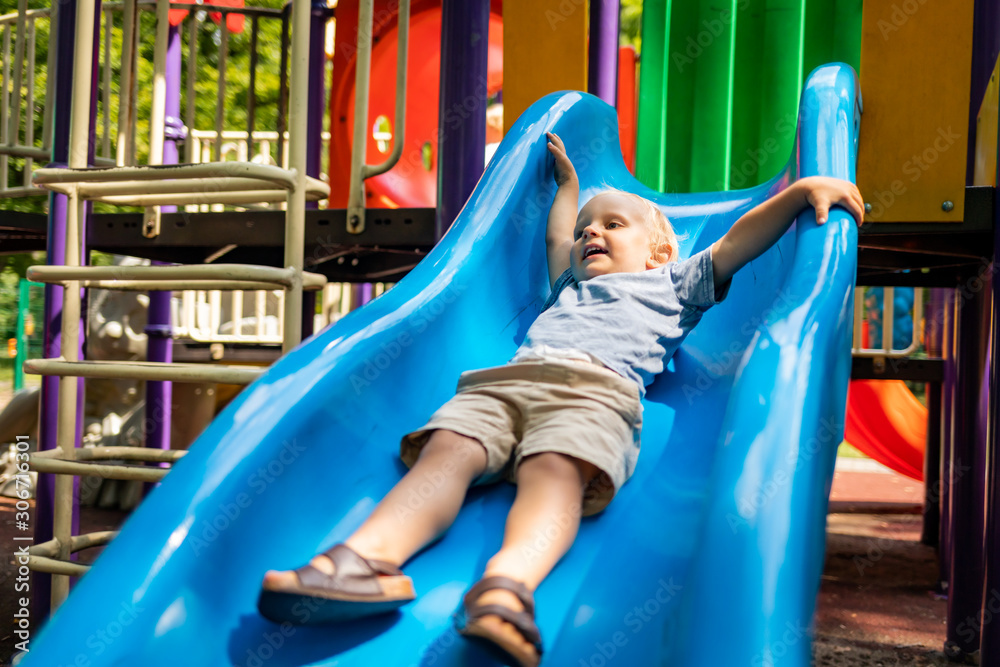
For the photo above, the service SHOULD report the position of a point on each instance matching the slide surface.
(711, 555)
(888, 423)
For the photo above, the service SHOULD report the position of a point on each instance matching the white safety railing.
(253, 317)
(888, 320)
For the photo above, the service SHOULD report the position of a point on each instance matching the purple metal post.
(159, 344)
(461, 145)
(41, 589)
(947, 436)
(966, 573)
(314, 127)
(933, 330)
(990, 646)
(602, 65)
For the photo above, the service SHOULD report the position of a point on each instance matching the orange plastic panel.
(544, 51)
(916, 60)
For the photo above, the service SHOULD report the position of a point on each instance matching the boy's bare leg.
(541, 527)
(399, 526)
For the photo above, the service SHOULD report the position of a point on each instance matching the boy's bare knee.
(555, 464)
(455, 449)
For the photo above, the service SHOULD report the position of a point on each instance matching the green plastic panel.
(719, 85)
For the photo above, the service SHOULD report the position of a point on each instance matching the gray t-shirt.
(632, 322)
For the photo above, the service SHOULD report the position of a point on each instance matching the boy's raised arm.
(758, 229)
(562, 215)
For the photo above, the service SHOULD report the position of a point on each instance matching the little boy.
(561, 420)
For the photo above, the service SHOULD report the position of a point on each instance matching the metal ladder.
(151, 186)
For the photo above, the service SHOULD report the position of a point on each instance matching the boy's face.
(611, 237)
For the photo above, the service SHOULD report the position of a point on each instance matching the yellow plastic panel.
(986, 133)
(916, 59)
(544, 50)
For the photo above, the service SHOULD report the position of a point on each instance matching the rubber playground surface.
(876, 604)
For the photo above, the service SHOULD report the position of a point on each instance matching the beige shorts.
(529, 407)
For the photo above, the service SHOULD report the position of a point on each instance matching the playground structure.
(690, 125)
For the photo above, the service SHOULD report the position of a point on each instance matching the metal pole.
(314, 126)
(933, 330)
(947, 435)
(59, 102)
(965, 585)
(298, 113)
(461, 145)
(158, 332)
(990, 647)
(602, 72)
(359, 140)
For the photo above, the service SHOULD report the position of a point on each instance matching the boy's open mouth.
(589, 251)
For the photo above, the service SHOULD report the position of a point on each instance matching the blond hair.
(660, 230)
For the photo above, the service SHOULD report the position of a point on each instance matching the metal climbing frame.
(153, 185)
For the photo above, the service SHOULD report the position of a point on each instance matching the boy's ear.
(662, 255)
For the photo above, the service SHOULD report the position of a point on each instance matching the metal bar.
(399, 137)
(143, 370)
(245, 198)
(283, 86)
(237, 312)
(105, 471)
(947, 435)
(261, 312)
(252, 87)
(29, 125)
(236, 274)
(130, 454)
(5, 107)
(209, 170)
(194, 22)
(461, 146)
(359, 141)
(157, 111)
(126, 100)
(265, 12)
(220, 94)
(79, 140)
(888, 317)
(24, 151)
(57, 567)
(192, 185)
(14, 120)
(933, 330)
(12, 17)
(602, 73)
(106, 90)
(298, 112)
(50, 78)
(58, 102)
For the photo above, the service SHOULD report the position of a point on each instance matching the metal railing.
(18, 101)
(153, 185)
(886, 350)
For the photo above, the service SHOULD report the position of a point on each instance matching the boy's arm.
(758, 229)
(562, 215)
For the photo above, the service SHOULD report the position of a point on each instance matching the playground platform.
(876, 604)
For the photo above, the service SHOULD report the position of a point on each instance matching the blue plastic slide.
(710, 556)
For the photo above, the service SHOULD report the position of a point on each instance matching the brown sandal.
(468, 625)
(358, 587)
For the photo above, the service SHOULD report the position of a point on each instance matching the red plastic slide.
(886, 422)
